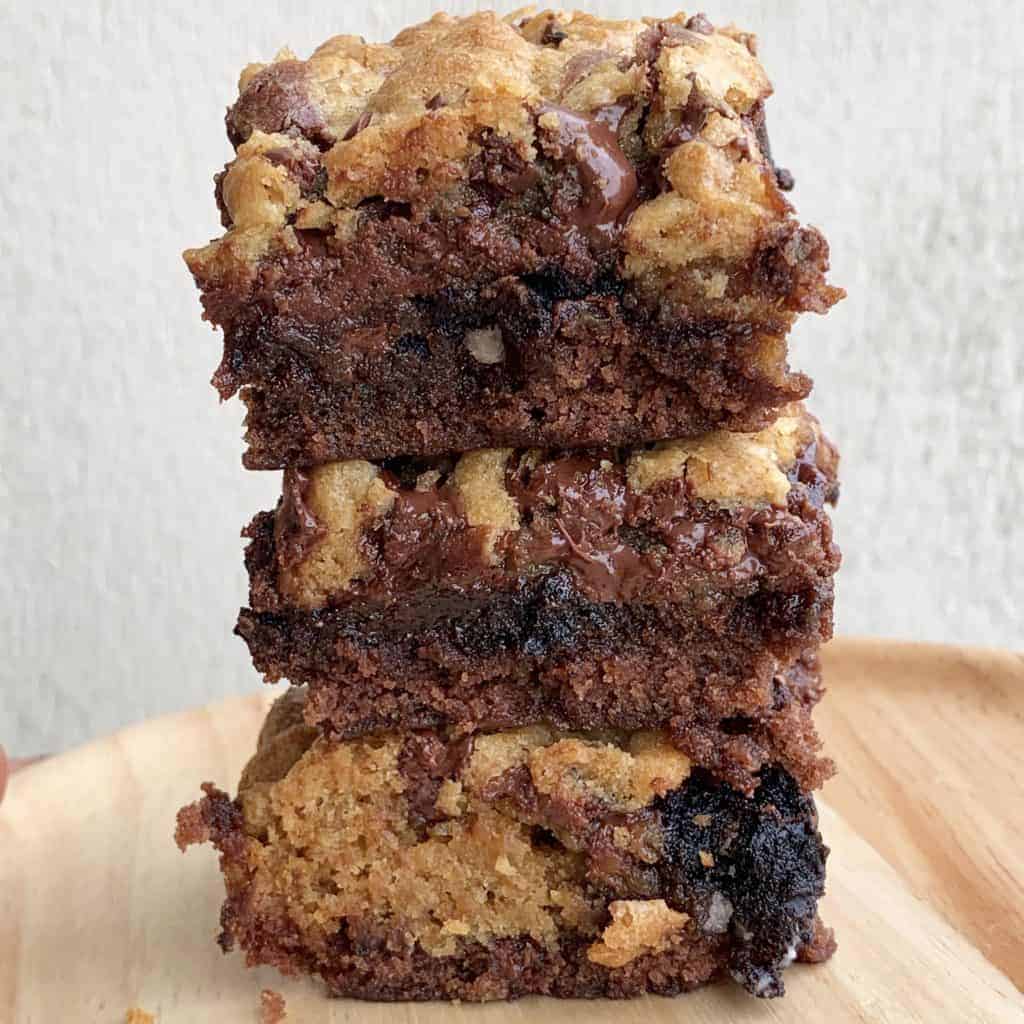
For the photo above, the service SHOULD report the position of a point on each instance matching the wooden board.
(99, 912)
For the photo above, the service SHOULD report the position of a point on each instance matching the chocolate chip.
(699, 23)
(278, 100)
(553, 34)
(784, 179)
(361, 122)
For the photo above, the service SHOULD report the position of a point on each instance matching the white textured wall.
(122, 494)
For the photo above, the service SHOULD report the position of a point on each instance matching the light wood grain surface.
(99, 912)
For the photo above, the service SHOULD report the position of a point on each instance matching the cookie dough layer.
(662, 585)
(542, 231)
(414, 866)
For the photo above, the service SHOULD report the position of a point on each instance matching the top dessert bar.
(545, 230)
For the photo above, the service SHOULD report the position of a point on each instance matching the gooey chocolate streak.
(607, 178)
(296, 529)
(577, 512)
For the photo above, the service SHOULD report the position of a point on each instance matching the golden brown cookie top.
(407, 122)
(397, 118)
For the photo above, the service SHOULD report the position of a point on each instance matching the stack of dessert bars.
(507, 300)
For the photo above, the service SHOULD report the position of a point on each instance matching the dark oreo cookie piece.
(754, 866)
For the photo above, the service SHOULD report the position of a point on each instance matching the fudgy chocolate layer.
(545, 654)
(566, 363)
(501, 865)
(567, 238)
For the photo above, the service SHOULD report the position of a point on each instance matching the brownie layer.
(413, 866)
(588, 384)
(553, 231)
(725, 701)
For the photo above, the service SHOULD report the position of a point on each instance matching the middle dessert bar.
(678, 585)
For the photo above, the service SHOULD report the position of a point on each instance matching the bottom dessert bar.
(529, 861)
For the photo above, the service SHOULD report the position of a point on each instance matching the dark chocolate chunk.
(699, 23)
(278, 99)
(606, 177)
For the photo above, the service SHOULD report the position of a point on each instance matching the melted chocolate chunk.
(425, 539)
(553, 33)
(361, 122)
(425, 762)
(575, 506)
(607, 179)
(296, 529)
(753, 865)
(278, 100)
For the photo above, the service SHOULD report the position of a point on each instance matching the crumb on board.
(272, 1007)
(136, 1016)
